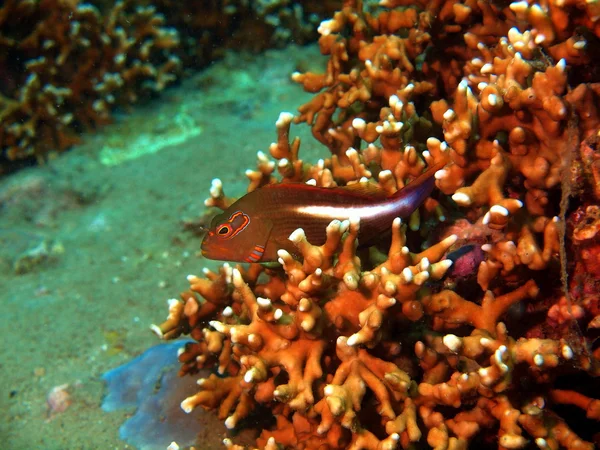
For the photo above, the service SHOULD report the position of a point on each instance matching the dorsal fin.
(367, 189)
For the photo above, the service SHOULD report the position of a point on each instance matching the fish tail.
(427, 176)
(411, 196)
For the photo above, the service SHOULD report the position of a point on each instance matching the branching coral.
(77, 64)
(64, 65)
(391, 346)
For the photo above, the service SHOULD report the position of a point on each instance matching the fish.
(258, 225)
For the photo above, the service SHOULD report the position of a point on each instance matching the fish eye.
(223, 230)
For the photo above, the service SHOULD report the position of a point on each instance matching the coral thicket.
(474, 322)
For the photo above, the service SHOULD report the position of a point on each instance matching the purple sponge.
(150, 384)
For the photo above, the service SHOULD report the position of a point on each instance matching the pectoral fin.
(258, 236)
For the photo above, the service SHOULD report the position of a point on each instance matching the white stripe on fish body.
(345, 212)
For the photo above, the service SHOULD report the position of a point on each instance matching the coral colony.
(78, 65)
(394, 346)
(65, 65)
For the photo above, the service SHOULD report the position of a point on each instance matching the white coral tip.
(407, 274)
(461, 198)
(283, 254)
(187, 406)
(238, 281)
(450, 240)
(297, 236)
(217, 326)
(421, 278)
(263, 302)
(352, 340)
(446, 264)
(449, 114)
(453, 342)
(385, 174)
(567, 352)
(441, 174)
(497, 209)
(486, 218)
(284, 118)
(359, 124)
(156, 330)
(230, 422)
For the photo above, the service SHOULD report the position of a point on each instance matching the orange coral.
(365, 349)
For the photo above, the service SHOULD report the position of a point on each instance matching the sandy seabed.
(92, 245)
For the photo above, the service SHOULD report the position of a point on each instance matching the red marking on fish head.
(235, 236)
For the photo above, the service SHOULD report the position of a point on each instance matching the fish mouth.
(209, 251)
(203, 249)
(214, 250)
(206, 250)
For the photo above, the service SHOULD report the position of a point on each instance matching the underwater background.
(474, 324)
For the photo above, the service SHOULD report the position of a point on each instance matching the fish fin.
(262, 238)
(408, 199)
(367, 189)
(428, 174)
(270, 264)
(258, 239)
(423, 182)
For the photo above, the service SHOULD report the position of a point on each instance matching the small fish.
(259, 224)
